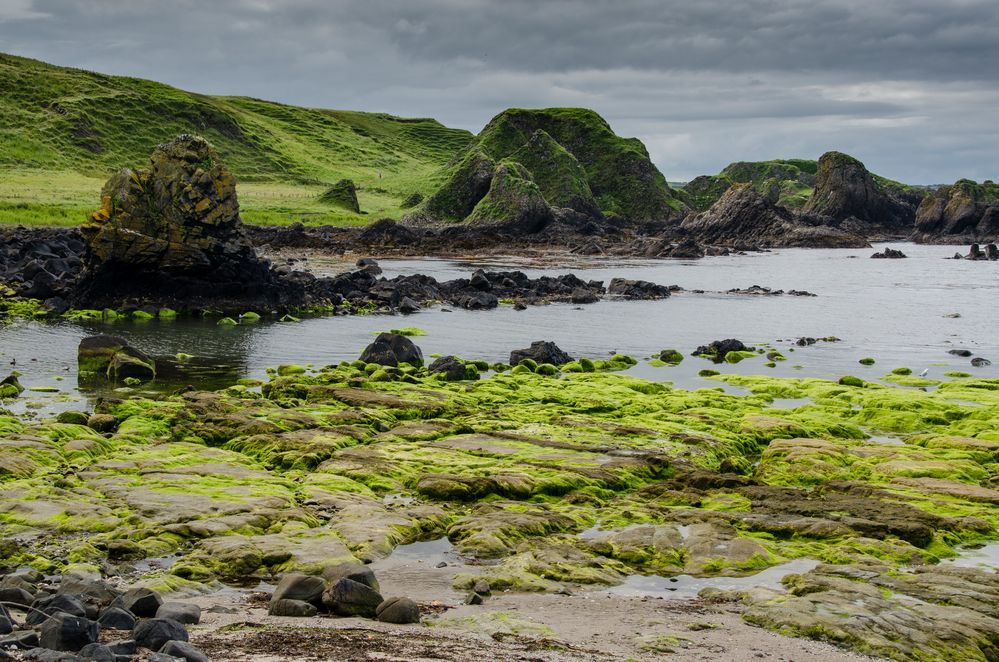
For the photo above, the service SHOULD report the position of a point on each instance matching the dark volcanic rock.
(847, 192)
(744, 218)
(297, 586)
(398, 610)
(63, 632)
(292, 608)
(184, 651)
(116, 618)
(450, 367)
(182, 612)
(889, 254)
(53, 604)
(349, 598)
(142, 602)
(637, 289)
(172, 231)
(155, 632)
(353, 571)
(541, 351)
(720, 348)
(392, 349)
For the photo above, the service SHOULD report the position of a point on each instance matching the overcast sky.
(911, 87)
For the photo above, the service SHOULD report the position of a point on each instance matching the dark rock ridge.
(173, 230)
(858, 201)
(967, 210)
(743, 218)
(527, 165)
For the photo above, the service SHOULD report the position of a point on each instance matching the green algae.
(866, 361)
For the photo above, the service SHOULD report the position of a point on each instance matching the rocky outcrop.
(513, 200)
(784, 182)
(572, 157)
(743, 218)
(343, 194)
(172, 230)
(860, 202)
(968, 211)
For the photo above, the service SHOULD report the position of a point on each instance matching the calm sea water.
(900, 312)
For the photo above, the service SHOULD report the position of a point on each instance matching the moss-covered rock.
(343, 194)
(513, 200)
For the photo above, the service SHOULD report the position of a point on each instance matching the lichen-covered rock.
(744, 218)
(342, 194)
(172, 228)
(847, 192)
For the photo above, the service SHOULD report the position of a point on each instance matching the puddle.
(597, 532)
(790, 403)
(685, 587)
(985, 557)
(428, 552)
(885, 441)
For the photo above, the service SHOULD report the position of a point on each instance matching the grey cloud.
(908, 86)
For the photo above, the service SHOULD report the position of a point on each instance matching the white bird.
(923, 373)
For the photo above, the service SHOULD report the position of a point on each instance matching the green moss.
(227, 321)
(902, 371)
(707, 372)
(866, 361)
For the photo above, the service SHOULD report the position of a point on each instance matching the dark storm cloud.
(908, 86)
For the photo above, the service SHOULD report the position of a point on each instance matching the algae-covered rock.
(342, 194)
(967, 209)
(114, 358)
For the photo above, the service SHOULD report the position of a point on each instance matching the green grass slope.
(63, 130)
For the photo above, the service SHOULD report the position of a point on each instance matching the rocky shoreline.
(551, 474)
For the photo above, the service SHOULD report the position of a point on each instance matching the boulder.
(719, 348)
(98, 653)
(353, 571)
(398, 610)
(293, 608)
(391, 349)
(450, 367)
(63, 632)
(10, 387)
(173, 230)
(44, 607)
(143, 602)
(637, 289)
(116, 618)
(541, 351)
(890, 254)
(297, 586)
(343, 194)
(155, 632)
(347, 597)
(113, 357)
(183, 612)
(184, 651)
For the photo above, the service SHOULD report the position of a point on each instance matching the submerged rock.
(889, 253)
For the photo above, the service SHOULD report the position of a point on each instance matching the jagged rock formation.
(571, 157)
(859, 201)
(967, 209)
(173, 230)
(342, 194)
(743, 218)
(784, 182)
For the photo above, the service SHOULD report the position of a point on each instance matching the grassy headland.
(64, 130)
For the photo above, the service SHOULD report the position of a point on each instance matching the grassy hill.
(64, 130)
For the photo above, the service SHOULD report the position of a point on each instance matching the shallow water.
(686, 587)
(984, 556)
(895, 311)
